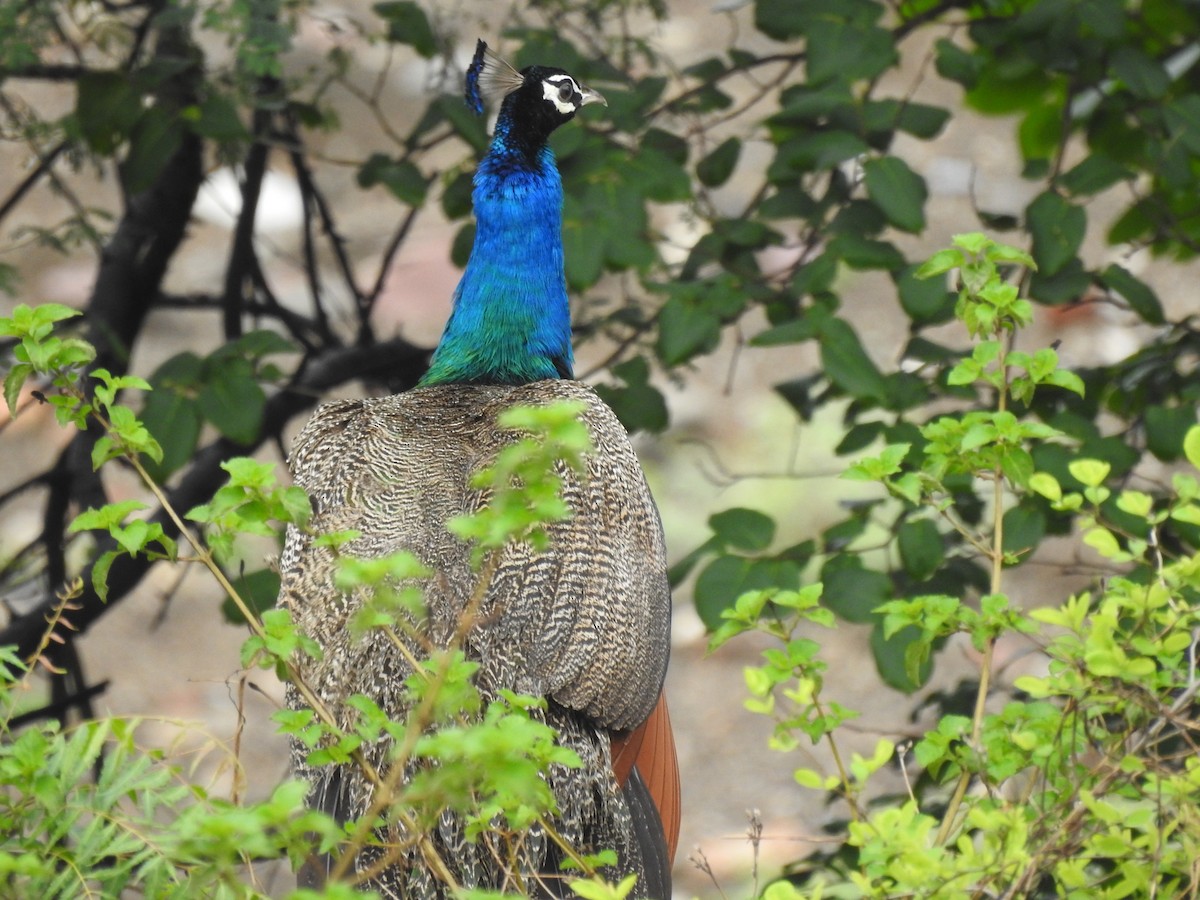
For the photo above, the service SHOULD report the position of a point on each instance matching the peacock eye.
(565, 91)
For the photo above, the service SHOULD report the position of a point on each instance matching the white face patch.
(563, 92)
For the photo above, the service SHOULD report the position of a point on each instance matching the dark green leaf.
(716, 168)
(1067, 285)
(408, 24)
(862, 253)
(467, 125)
(685, 329)
(107, 107)
(233, 401)
(925, 300)
(638, 404)
(1024, 528)
(464, 239)
(743, 529)
(892, 658)
(1166, 427)
(921, 120)
(456, 198)
(1095, 174)
(1183, 117)
(259, 590)
(217, 119)
(152, 143)
(259, 343)
(922, 548)
(671, 146)
(718, 587)
(174, 420)
(851, 591)
(399, 176)
(848, 51)
(955, 63)
(846, 364)
(1141, 299)
(814, 152)
(1142, 74)
(1057, 229)
(859, 437)
(898, 191)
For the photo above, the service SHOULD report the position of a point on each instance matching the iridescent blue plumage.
(511, 322)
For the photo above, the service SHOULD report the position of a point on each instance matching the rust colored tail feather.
(650, 748)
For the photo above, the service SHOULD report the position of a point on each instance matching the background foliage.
(738, 197)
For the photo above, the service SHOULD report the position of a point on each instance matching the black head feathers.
(536, 92)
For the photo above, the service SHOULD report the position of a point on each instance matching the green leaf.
(174, 420)
(1183, 118)
(1141, 299)
(233, 401)
(744, 529)
(1142, 74)
(13, 382)
(718, 586)
(1166, 429)
(1089, 472)
(848, 51)
(922, 548)
(921, 120)
(456, 198)
(925, 300)
(217, 119)
(152, 143)
(1191, 446)
(1096, 173)
(1046, 485)
(846, 363)
(399, 176)
(894, 661)
(638, 404)
(898, 191)
(259, 589)
(408, 24)
(853, 592)
(716, 168)
(685, 329)
(106, 108)
(1024, 528)
(1057, 228)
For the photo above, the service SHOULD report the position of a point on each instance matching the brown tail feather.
(651, 748)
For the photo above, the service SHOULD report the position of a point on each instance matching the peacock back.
(583, 623)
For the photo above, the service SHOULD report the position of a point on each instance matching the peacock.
(583, 623)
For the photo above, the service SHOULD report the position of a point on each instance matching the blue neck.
(511, 323)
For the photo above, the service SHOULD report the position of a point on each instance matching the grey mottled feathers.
(584, 623)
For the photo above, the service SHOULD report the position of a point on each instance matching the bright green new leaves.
(39, 351)
(133, 537)
(489, 771)
(251, 502)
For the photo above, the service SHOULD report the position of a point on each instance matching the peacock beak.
(590, 96)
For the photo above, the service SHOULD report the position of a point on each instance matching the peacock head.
(539, 98)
